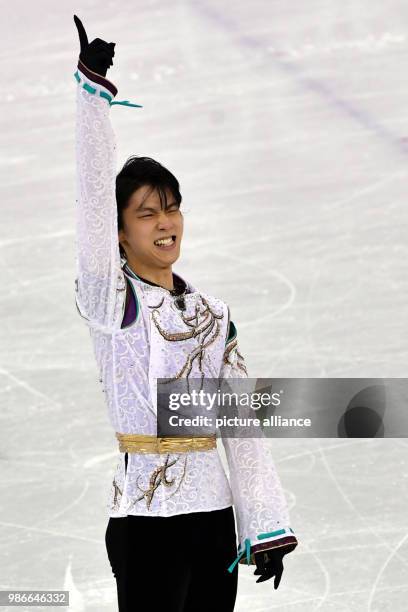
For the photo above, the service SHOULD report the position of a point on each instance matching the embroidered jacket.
(159, 341)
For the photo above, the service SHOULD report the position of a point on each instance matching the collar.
(179, 284)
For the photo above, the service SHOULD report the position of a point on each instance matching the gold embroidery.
(242, 367)
(228, 350)
(117, 491)
(203, 327)
(157, 478)
(227, 353)
(180, 481)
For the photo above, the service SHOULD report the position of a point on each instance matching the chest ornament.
(159, 477)
(204, 325)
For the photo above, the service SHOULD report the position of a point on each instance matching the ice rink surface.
(286, 124)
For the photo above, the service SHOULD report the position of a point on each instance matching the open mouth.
(165, 244)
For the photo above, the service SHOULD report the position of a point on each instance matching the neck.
(162, 277)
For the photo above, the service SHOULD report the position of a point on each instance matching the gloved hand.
(269, 563)
(97, 55)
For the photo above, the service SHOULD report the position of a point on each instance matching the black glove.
(269, 563)
(97, 55)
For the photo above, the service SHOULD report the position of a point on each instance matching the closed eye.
(171, 209)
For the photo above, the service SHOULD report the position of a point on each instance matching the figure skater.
(171, 536)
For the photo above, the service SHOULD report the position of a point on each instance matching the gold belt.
(140, 443)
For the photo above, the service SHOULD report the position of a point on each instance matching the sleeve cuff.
(282, 542)
(97, 78)
(274, 539)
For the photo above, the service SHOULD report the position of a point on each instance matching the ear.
(122, 237)
(122, 240)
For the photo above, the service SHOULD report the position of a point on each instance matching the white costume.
(162, 342)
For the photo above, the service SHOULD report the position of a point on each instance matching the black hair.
(137, 172)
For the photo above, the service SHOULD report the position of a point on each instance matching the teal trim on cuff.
(108, 97)
(103, 94)
(247, 545)
(271, 534)
(88, 88)
(247, 551)
(231, 567)
(126, 103)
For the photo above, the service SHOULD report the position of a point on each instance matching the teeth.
(165, 241)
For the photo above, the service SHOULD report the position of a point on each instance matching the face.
(144, 222)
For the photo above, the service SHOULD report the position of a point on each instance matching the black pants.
(174, 564)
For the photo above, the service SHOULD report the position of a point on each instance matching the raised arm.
(100, 283)
(263, 522)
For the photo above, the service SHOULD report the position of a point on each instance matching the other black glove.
(269, 563)
(97, 55)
